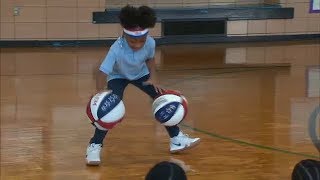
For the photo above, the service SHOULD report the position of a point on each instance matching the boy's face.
(136, 43)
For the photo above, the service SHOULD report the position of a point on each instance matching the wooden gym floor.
(250, 104)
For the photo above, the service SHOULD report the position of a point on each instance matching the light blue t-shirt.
(122, 62)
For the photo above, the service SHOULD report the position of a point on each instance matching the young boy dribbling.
(130, 60)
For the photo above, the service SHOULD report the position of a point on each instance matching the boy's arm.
(152, 69)
(105, 68)
(151, 62)
(153, 77)
(101, 81)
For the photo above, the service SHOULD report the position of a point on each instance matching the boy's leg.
(150, 90)
(93, 150)
(117, 86)
(178, 140)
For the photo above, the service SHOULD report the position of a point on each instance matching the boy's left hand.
(157, 88)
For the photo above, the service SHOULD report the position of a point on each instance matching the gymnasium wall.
(72, 19)
(302, 23)
(179, 3)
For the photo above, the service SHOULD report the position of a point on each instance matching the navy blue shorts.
(118, 86)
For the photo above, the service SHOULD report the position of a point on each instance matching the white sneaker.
(182, 142)
(93, 154)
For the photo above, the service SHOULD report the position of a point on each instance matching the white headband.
(136, 33)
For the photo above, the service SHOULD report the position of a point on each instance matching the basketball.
(170, 108)
(105, 110)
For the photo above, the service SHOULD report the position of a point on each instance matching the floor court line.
(258, 146)
(236, 140)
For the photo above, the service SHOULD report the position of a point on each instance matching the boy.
(130, 60)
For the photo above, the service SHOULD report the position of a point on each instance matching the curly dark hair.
(166, 170)
(307, 169)
(133, 17)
